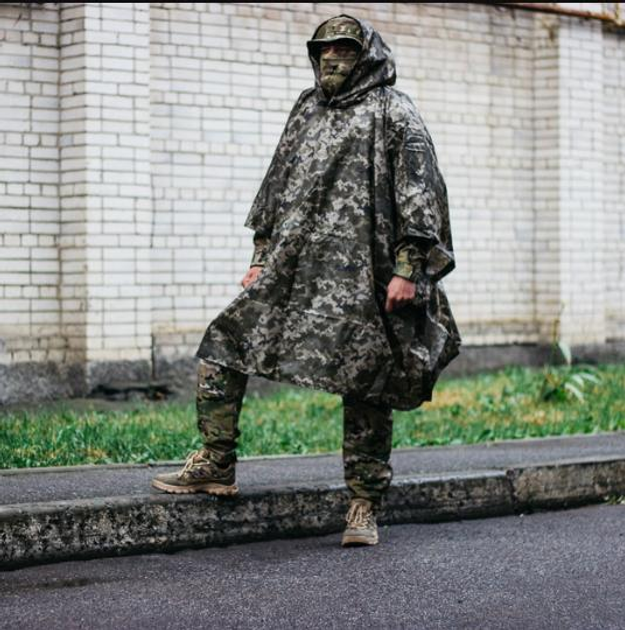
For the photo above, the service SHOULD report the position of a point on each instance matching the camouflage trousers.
(367, 430)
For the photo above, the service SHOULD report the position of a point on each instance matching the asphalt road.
(559, 570)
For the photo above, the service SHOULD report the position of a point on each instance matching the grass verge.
(493, 406)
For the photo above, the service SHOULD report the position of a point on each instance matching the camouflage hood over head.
(352, 189)
(374, 67)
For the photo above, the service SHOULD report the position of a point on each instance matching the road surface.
(559, 570)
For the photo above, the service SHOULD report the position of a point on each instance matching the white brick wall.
(614, 184)
(105, 175)
(30, 314)
(470, 73)
(134, 138)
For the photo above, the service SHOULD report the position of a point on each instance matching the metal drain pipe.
(540, 7)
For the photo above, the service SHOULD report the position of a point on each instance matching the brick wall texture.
(135, 136)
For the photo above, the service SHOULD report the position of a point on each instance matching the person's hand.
(250, 276)
(399, 292)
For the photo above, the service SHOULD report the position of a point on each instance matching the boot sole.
(208, 488)
(357, 541)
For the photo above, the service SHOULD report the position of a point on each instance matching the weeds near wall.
(567, 382)
(615, 499)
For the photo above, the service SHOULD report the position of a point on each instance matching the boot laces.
(195, 459)
(359, 516)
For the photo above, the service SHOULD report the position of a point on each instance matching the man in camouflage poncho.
(344, 294)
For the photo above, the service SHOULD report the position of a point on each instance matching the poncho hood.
(374, 67)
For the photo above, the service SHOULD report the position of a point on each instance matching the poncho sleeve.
(420, 193)
(409, 261)
(262, 214)
(261, 250)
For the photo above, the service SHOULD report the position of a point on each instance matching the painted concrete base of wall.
(31, 382)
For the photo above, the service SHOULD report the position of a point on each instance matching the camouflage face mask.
(336, 61)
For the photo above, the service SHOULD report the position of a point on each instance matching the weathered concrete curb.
(88, 528)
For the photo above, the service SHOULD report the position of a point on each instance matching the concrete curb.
(34, 533)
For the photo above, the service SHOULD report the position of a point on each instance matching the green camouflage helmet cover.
(335, 29)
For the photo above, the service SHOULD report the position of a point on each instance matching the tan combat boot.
(361, 527)
(199, 474)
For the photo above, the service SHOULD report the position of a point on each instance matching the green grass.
(493, 406)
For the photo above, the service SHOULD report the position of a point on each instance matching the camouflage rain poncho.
(351, 178)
